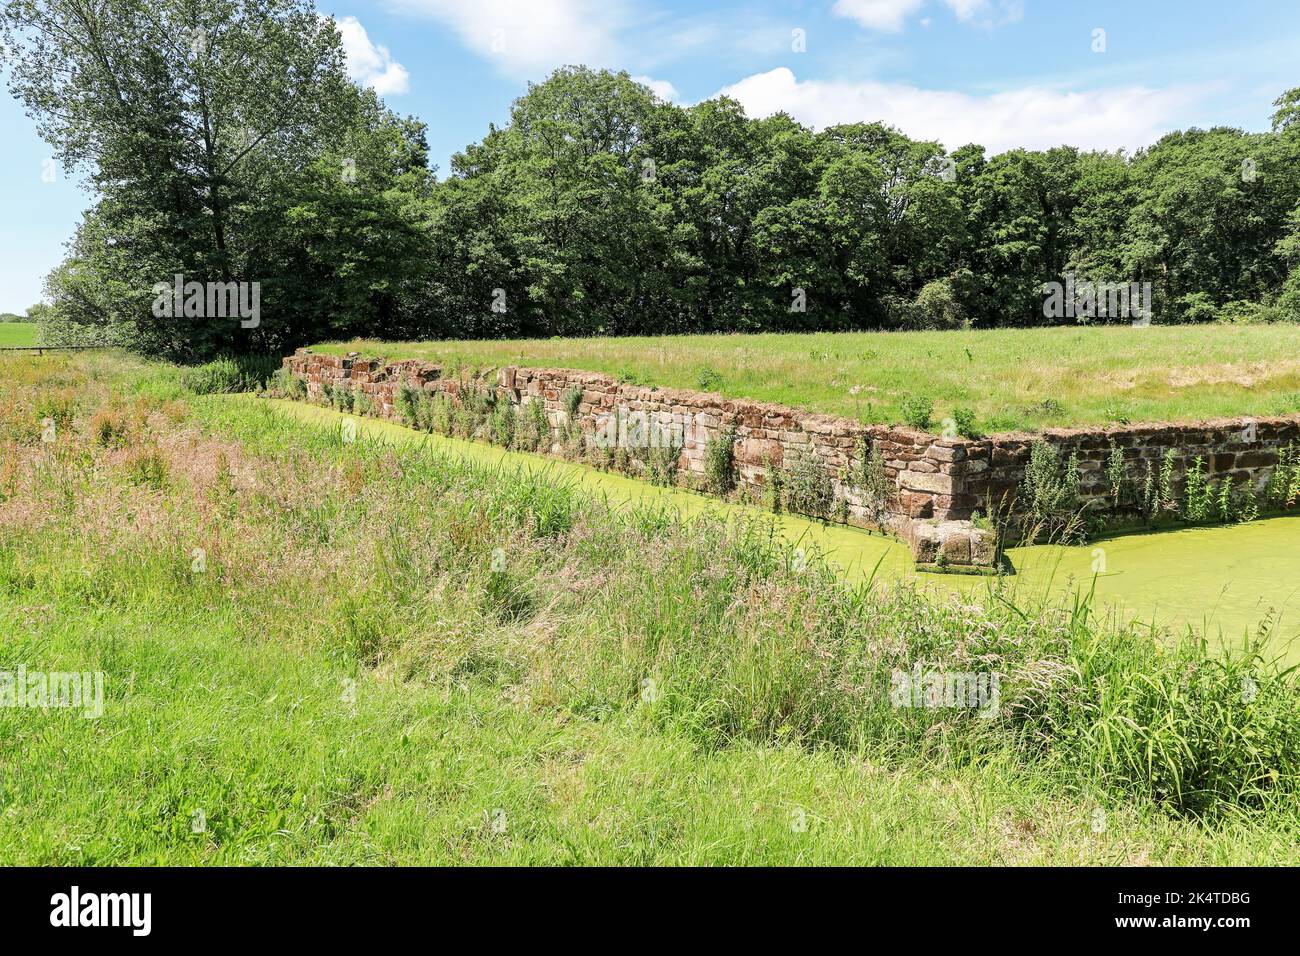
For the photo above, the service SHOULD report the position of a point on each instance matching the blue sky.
(1000, 72)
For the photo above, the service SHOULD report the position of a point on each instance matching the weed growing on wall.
(1116, 475)
(408, 404)
(1283, 490)
(808, 488)
(343, 397)
(774, 486)
(1049, 494)
(661, 465)
(869, 480)
(720, 463)
(1199, 494)
(501, 424)
(533, 432)
(1158, 497)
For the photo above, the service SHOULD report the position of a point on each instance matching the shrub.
(709, 379)
(1248, 505)
(572, 402)
(1225, 504)
(440, 414)
(147, 467)
(58, 405)
(964, 421)
(937, 306)
(917, 411)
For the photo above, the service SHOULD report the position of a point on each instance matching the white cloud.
(371, 65)
(532, 36)
(889, 16)
(987, 13)
(967, 9)
(661, 88)
(885, 15)
(1032, 117)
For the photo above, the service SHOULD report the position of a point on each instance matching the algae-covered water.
(1224, 581)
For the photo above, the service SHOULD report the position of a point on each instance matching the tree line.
(225, 144)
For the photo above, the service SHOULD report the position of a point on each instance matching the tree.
(187, 116)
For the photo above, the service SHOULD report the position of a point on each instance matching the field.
(18, 334)
(1013, 379)
(328, 651)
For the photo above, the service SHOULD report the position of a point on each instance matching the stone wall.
(921, 467)
(934, 484)
(1243, 451)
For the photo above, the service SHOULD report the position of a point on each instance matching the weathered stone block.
(937, 484)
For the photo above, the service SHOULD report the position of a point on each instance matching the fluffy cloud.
(884, 15)
(532, 36)
(662, 88)
(1032, 117)
(371, 65)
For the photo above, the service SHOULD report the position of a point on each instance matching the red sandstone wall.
(939, 478)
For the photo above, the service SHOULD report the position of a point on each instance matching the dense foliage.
(225, 142)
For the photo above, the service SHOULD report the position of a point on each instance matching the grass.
(17, 334)
(1012, 379)
(388, 655)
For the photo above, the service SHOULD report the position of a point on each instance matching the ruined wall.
(923, 468)
(934, 484)
(1243, 451)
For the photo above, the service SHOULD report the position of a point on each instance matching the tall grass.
(421, 576)
(244, 373)
(745, 643)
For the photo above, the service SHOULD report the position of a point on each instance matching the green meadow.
(325, 650)
(14, 334)
(1012, 379)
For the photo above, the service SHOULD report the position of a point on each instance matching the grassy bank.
(383, 654)
(1011, 379)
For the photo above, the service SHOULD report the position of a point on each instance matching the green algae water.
(1223, 581)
